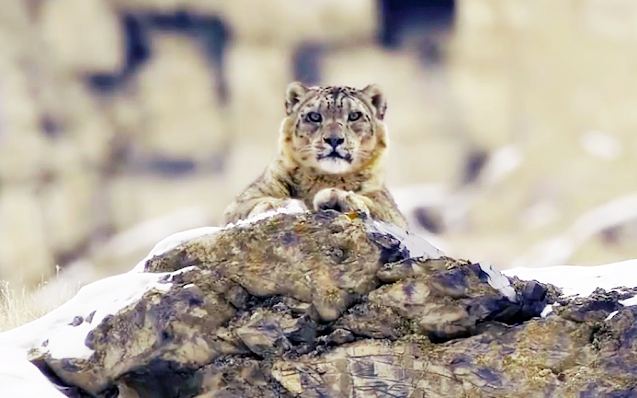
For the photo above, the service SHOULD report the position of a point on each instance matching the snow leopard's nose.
(334, 135)
(334, 141)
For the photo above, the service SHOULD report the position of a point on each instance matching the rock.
(176, 95)
(27, 260)
(188, 315)
(239, 377)
(89, 39)
(610, 21)
(257, 76)
(287, 22)
(206, 7)
(279, 22)
(86, 131)
(408, 168)
(327, 305)
(324, 259)
(68, 209)
(23, 149)
(441, 299)
(548, 357)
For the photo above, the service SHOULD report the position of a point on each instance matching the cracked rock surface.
(332, 305)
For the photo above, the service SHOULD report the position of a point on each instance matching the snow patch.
(629, 302)
(174, 240)
(101, 298)
(502, 163)
(498, 281)
(291, 207)
(415, 245)
(582, 280)
(601, 145)
(294, 206)
(19, 378)
(547, 310)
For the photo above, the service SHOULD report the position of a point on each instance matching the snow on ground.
(497, 281)
(415, 245)
(582, 281)
(173, 241)
(100, 299)
(293, 206)
(19, 378)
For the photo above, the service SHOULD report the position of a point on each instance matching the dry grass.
(21, 306)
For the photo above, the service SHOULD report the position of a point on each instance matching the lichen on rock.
(336, 305)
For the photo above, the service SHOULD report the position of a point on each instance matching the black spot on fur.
(291, 188)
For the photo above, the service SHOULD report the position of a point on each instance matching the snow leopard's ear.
(375, 96)
(293, 95)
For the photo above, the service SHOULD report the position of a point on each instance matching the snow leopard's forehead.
(336, 101)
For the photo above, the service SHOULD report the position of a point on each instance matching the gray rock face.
(333, 305)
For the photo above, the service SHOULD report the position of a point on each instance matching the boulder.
(89, 39)
(176, 95)
(27, 259)
(23, 150)
(286, 22)
(326, 305)
(69, 211)
(257, 76)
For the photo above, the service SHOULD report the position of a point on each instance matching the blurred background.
(512, 122)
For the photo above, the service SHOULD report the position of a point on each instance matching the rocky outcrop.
(327, 305)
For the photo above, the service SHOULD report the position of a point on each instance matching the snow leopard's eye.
(314, 117)
(354, 116)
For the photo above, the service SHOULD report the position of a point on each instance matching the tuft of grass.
(22, 305)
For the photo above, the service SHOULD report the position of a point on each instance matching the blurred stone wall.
(117, 112)
(557, 81)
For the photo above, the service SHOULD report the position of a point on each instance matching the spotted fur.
(331, 147)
